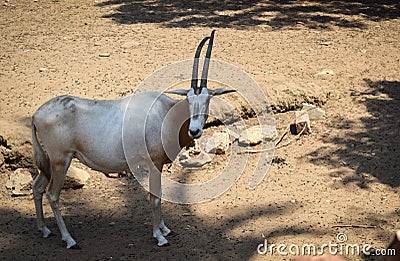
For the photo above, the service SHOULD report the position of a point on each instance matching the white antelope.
(91, 130)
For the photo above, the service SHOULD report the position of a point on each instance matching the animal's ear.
(220, 91)
(178, 92)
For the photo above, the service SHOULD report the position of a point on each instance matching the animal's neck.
(184, 139)
(182, 111)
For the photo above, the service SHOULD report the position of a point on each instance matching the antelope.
(67, 127)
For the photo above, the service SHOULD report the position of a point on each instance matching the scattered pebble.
(313, 112)
(104, 55)
(325, 72)
(326, 43)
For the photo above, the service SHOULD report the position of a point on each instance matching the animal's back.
(87, 129)
(98, 131)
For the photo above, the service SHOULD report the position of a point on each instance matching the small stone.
(194, 161)
(218, 143)
(257, 134)
(326, 43)
(76, 178)
(43, 69)
(314, 113)
(325, 72)
(20, 182)
(97, 44)
(293, 201)
(104, 55)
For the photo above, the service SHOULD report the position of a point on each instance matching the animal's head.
(197, 96)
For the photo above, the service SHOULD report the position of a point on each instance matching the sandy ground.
(343, 175)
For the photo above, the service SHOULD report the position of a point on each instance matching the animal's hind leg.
(164, 229)
(38, 187)
(53, 194)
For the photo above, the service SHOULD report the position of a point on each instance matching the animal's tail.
(41, 158)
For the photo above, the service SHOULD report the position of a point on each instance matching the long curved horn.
(204, 74)
(195, 71)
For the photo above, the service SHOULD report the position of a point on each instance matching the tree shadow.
(374, 152)
(278, 14)
(126, 233)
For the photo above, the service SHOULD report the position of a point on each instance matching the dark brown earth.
(346, 173)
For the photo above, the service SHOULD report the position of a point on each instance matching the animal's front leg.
(159, 229)
(156, 209)
(165, 231)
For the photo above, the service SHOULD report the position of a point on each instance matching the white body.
(91, 131)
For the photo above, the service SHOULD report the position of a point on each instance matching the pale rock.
(76, 178)
(314, 113)
(218, 143)
(188, 160)
(233, 135)
(257, 134)
(20, 182)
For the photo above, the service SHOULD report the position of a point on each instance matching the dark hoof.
(165, 245)
(76, 247)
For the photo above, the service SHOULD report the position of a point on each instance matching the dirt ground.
(342, 176)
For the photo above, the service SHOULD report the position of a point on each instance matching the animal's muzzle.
(196, 133)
